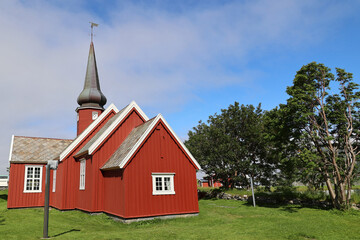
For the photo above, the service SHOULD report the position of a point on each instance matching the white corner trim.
(88, 130)
(182, 144)
(54, 181)
(11, 147)
(138, 143)
(106, 133)
(142, 138)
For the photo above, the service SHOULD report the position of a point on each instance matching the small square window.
(163, 183)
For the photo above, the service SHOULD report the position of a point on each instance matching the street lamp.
(52, 164)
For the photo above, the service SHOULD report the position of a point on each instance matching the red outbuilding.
(121, 163)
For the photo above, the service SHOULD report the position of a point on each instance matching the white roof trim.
(182, 144)
(138, 143)
(128, 108)
(146, 133)
(11, 147)
(88, 130)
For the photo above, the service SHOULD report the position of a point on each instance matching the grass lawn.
(218, 219)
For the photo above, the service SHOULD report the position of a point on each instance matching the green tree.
(294, 162)
(325, 126)
(233, 144)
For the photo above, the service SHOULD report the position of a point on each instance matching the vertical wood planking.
(149, 159)
(16, 196)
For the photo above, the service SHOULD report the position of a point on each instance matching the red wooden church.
(121, 163)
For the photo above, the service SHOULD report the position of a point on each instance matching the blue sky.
(184, 59)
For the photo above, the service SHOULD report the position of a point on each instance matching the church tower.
(91, 99)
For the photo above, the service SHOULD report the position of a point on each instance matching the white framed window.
(54, 181)
(163, 183)
(33, 178)
(82, 174)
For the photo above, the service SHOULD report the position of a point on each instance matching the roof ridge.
(113, 162)
(45, 138)
(115, 123)
(151, 119)
(87, 130)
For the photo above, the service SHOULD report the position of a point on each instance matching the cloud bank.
(158, 55)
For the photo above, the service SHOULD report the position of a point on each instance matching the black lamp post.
(50, 165)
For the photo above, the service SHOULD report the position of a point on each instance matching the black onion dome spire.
(91, 96)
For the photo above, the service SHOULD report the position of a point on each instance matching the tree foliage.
(232, 145)
(324, 125)
(313, 138)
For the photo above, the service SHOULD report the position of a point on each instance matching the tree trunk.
(331, 192)
(348, 196)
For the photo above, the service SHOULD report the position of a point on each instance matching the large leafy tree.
(233, 144)
(294, 161)
(324, 124)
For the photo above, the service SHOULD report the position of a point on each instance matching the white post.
(252, 189)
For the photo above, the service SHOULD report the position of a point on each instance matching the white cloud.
(147, 54)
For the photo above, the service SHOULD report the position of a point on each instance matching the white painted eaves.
(147, 132)
(11, 147)
(126, 111)
(88, 130)
(138, 143)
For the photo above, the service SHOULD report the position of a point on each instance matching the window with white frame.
(54, 181)
(82, 174)
(33, 178)
(163, 183)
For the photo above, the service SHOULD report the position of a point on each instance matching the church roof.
(91, 96)
(86, 147)
(104, 132)
(125, 148)
(85, 133)
(35, 149)
(134, 140)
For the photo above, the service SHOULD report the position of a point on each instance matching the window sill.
(164, 193)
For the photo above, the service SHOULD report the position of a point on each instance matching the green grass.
(218, 219)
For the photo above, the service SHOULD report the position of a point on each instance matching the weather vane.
(92, 29)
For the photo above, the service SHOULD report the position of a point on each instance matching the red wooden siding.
(205, 184)
(56, 199)
(16, 196)
(69, 173)
(85, 198)
(210, 183)
(85, 119)
(114, 190)
(155, 157)
(96, 196)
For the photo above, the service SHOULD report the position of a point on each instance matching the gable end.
(89, 129)
(119, 119)
(126, 151)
